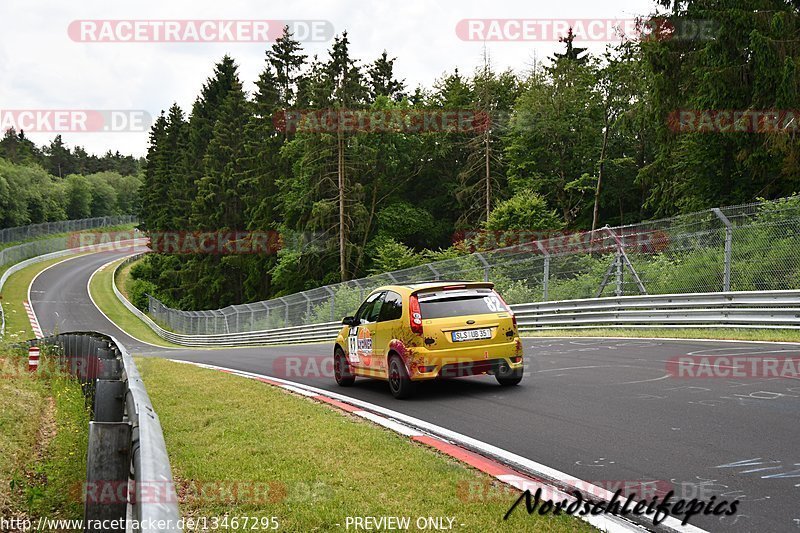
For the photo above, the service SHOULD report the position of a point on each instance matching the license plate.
(472, 335)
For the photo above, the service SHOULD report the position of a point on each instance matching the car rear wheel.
(400, 384)
(506, 376)
(341, 369)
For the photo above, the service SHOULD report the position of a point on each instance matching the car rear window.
(461, 306)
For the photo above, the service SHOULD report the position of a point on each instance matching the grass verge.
(321, 466)
(102, 292)
(44, 425)
(15, 291)
(124, 279)
(740, 334)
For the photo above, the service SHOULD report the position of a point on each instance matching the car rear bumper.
(432, 364)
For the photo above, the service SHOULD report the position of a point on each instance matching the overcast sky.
(42, 67)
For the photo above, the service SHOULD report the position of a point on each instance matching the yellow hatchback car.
(423, 331)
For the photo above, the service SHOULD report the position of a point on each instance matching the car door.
(360, 345)
(389, 327)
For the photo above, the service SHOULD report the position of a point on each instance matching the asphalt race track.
(604, 411)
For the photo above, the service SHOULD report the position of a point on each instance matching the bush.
(139, 291)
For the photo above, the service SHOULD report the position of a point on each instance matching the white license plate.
(472, 335)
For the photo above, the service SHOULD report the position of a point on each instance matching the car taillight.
(513, 316)
(415, 316)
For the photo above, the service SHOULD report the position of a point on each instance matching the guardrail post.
(107, 467)
(109, 400)
(726, 277)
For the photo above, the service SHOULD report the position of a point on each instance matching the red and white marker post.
(33, 359)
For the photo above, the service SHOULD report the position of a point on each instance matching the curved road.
(601, 410)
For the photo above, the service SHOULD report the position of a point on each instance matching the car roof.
(431, 285)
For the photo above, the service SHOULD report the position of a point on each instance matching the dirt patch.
(47, 429)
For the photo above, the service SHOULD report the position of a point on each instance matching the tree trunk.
(342, 227)
(488, 176)
(600, 178)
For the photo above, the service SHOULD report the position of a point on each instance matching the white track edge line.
(527, 464)
(89, 293)
(30, 285)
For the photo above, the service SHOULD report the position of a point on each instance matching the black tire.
(507, 377)
(400, 384)
(341, 369)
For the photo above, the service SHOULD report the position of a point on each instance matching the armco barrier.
(754, 309)
(126, 443)
(312, 333)
(746, 309)
(19, 266)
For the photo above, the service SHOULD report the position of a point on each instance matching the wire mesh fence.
(26, 250)
(746, 247)
(26, 233)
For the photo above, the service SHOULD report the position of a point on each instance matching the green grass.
(22, 403)
(778, 335)
(323, 466)
(15, 291)
(100, 287)
(124, 279)
(43, 440)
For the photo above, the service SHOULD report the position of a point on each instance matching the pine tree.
(205, 112)
(287, 61)
(382, 81)
(153, 192)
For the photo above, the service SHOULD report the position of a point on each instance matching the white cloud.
(41, 68)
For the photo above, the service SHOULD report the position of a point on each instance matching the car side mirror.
(349, 321)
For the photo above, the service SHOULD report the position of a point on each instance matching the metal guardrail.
(746, 309)
(737, 248)
(126, 442)
(28, 253)
(311, 333)
(19, 266)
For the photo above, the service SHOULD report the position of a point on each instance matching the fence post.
(485, 266)
(726, 277)
(546, 273)
(333, 302)
(435, 272)
(285, 311)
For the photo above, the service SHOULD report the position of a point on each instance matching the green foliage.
(139, 289)
(526, 210)
(392, 255)
(747, 64)
(79, 197)
(578, 140)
